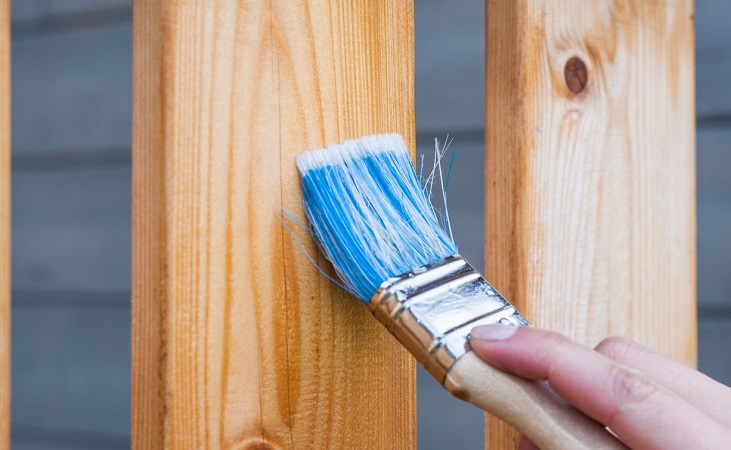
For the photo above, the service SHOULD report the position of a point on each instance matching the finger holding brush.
(392, 250)
(649, 400)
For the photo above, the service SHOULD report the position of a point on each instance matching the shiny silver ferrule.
(432, 309)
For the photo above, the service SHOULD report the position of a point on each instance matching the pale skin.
(650, 401)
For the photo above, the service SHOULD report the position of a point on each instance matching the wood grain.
(590, 196)
(238, 341)
(4, 224)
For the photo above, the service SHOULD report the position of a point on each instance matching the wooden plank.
(4, 224)
(237, 340)
(449, 82)
(590, 179)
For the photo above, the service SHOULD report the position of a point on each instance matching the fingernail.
(493, 332)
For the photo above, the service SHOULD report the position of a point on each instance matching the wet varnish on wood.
(590, 190)
(238, 341)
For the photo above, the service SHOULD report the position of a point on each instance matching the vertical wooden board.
(4, 224)
(590, 193)
(237, 339)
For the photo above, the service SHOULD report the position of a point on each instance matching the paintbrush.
(373, 220)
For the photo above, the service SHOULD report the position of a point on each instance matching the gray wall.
(71, 112)
(71, 204)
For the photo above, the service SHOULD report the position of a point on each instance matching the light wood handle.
(531, 407)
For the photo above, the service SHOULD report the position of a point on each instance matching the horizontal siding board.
(32, 438)
(25, 10)
(22, 443)
(31, 443)
(714, 217)
(443, 422)
(72, 90)
(70, 369)
(712, 19)
(713, 86)
(450, 65)
(714, 359)
(71, 229)
(713, 57)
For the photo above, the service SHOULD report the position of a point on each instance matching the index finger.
(705, 393)
(642, 413)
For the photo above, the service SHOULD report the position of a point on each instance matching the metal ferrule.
(432, 309)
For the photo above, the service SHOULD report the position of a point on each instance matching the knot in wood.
(575, 74)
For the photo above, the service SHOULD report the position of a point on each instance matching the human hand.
(648, 400)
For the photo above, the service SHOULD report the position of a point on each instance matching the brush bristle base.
(432, 309)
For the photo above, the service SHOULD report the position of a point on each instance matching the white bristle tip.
(337, 153)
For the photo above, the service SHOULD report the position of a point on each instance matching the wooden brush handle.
(531, 407)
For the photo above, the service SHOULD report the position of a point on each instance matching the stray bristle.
(369, 214)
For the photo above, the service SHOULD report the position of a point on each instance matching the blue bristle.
(368, 212)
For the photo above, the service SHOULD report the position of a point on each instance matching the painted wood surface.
(590, 181)
(237, 340)
(4, 224)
